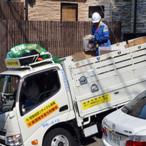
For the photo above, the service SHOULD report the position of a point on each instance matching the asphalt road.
(93, 142)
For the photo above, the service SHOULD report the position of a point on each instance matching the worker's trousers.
(97, 52)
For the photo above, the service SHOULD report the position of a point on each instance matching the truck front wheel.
(59, 137)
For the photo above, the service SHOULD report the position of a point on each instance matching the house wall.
(44, 10)
(115, 10)
(83, 9)
(50, 10)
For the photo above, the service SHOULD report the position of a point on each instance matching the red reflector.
(104, 132)
(135, 143)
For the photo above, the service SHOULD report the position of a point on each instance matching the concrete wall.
(141, 16)
(122, 11)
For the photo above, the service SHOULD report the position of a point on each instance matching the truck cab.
(32, 99)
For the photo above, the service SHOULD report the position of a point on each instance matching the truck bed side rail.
(115, 78)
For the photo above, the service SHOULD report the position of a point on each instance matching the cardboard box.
(86, 40)
(137, 41)
(105, 50)
(83, 55)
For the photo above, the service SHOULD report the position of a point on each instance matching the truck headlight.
(14, 140)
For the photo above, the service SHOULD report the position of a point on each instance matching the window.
(99, 9)
(8, 91)
(37, 89)
(69, 12)
(137, 107)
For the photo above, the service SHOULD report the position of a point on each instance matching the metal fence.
(60, 38)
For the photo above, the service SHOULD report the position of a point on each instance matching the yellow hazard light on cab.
(34, 142)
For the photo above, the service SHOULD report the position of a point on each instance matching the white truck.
(49, 104)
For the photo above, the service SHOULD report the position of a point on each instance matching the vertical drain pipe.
(135, 16)
(26, 10)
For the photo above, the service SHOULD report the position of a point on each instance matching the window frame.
(21, 83)
(135, 106)
(15, 100)
(72, 5)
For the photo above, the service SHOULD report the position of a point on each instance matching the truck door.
(42, 96)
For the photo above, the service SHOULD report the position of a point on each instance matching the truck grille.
(3, 133)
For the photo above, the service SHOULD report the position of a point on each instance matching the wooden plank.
(68, 14)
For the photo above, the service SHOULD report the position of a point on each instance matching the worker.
(30, 94)
(101, 34)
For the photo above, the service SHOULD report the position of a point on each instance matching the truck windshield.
(137, 107)
(8, 91)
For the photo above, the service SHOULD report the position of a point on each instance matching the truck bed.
(100, 83)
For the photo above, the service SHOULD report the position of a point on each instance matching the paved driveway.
(93, 142)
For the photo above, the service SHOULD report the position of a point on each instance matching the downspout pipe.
(135, 16)
(26, 10)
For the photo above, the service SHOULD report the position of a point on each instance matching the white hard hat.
(96, 17)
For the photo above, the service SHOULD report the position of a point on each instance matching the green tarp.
(26, 50)
(23, 50)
